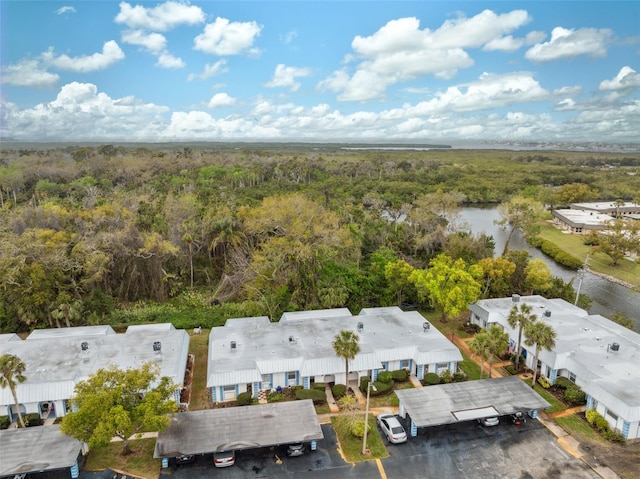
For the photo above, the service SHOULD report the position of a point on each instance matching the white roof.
(582, 218)
(302, 341)
(55, 360)
(583, 346)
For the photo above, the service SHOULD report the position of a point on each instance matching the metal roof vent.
(157, 346)
(547, 314)
(84, 346)
(613, 347)
(233, 345)
(426, 326)
(292, 339)
(515, 298)
(360, 326)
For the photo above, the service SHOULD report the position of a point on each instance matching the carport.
(466, 401)
(38, 449)
(235, 428)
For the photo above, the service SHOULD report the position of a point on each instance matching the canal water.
(608, 297)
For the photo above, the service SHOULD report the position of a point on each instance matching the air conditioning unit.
(157, 346)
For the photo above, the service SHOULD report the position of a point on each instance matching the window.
(441, 366)
(229, 392)
(291, 377)
(404, 364)
(572, 377)
(612, 416)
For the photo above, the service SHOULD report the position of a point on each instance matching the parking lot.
(464, 450)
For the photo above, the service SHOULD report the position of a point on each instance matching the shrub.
(459, 377)
(563, 382)
(244, 399)
(431, 379)
(317, 396)
(446, 377)
(511, 369)
(401, 375)
(613, 435)
(381, 388)
(32, 419)
(4, 422)
(348, 403)
(544, 382)
(275, 396)
(385, 377)
(364, 383)
(602, 424)
(591, 416)
(574, 395)
(321, 386)
(357, 429)
(338, 390)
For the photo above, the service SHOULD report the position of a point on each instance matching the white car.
(224, 459)
(489, 421)
(392, 428)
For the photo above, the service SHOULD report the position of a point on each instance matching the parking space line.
(383, 474)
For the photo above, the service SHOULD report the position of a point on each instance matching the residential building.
(57, 359)
(255, 354)
(597, 354)
(577, 221)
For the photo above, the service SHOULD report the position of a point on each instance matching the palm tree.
(498, 342)
(480, 347)
(11, 373)
(346, 345)
(542, 335)
(520, 317)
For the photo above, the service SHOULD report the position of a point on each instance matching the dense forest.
(93, 234)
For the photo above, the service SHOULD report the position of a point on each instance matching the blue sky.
(320, 70)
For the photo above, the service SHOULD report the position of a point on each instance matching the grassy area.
(389, 400)
(578, 427)
(470, 367)
(550, 398)
(351, 446)
(198, 346)
(139, 463)
(626, 270)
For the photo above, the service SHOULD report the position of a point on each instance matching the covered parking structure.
(466, 401)
(236, 428)
(38, 449)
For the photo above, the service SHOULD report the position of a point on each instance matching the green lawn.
(139, 463)
(578, 427)
(198, 346)
(626, 270)
(350, 446)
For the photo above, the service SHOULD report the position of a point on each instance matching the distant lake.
(607, 297)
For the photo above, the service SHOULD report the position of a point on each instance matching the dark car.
(294, 450)
(185, 459)
(518, 418)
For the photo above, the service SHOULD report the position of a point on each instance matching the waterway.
(608, 297)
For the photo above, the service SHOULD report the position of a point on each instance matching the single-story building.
(38, 449)
(238, 428)
(57, 359)
(626, 209)
(578, 221)
(255, 354)
(466, 401)
(595, 353)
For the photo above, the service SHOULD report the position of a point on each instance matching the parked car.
(518, 418)
(294, 450)
(392, 428)
(489, 421)
(224, 459)
(185, 459)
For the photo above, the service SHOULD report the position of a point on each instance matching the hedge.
(551, 249)
(315, 395)
(401, 375)
(32, 419)
(275, 397)
(321, 386)
(381, 388)
(563, 382)
(364, 382)
(244, 399)
(575, 395)
(431, 379)
(338, 390)
(385, 377)
(4, 422)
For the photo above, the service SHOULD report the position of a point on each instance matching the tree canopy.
(120, 403)
(11, 373)
(346, 345)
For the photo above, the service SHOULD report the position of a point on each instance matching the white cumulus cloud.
(111, 53)
(28, 73)
(153, 42)
(163, 17)
(66, 9)
(569, 43)
(625, 81)
(220, 100)
(223, 37)
(285, 76)
(217, 68)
